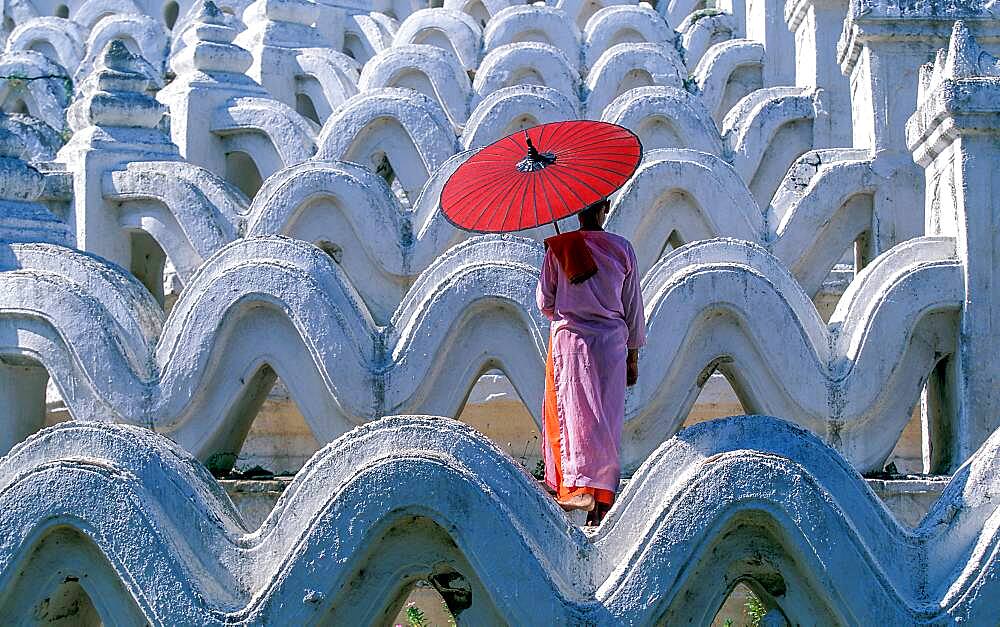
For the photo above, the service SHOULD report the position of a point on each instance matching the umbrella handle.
(534, 156)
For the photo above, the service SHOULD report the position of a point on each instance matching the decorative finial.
(116, 93)
(963, 53)
(534, 160)
(209, 45)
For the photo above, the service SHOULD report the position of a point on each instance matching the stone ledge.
(909, 498)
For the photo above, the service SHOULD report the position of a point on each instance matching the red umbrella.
(540, 175)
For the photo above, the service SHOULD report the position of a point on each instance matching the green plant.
(539, 471)
(754, 610)
(415, 616)
(703, 13)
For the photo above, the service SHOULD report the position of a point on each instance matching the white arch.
(445, 28)
(620, 65)
(530, 23)
(431, 70)
(623, 24)
(526, 63)
(63, 35)
(387, 122)
(512, 108)
(666, 117)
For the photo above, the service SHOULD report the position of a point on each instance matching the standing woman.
(589, 289)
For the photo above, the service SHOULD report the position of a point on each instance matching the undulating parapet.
(220, 233)
(146, 534)
(619, 24)
(399, 133)
(472, 310)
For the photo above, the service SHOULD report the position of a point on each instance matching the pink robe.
(593, 325)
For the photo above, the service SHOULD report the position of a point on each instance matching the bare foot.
(585, 502)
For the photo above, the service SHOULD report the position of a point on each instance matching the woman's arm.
(635, 317)
(545, 293)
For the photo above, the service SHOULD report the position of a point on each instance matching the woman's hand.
(632, 367)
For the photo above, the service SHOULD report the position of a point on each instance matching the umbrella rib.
(510, 203)
(550, 179)
(483, 184)
(495, 201)
(591, 141)
(581, 182)
(556, 177)
(574, 129)
(616, 172)
(524, 198)
(547, 183)
(500, 188)
(603, 134)
(471, 223)
(571, 169)
(541, 137)
(613, 148)
(589, 168)
(558, 144)
(519, 148)
(473, 172)
(493, 159)
(622, 169)
(607, 150)
(524, 194)
(541, 134)
(574, 133)
(558, 134)
(475, 177)
(501, 145)
(599, 158)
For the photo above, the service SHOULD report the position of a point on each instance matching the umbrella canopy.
(540, 175)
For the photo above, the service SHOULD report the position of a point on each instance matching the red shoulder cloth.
(573, 254)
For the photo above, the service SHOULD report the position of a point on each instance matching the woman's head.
(594, 215)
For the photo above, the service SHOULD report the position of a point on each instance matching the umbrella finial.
(532, 151)
(534, 160)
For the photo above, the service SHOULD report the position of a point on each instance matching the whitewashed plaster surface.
(201, 198)
(748, 493)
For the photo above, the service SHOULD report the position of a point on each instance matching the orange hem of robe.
(550, 413)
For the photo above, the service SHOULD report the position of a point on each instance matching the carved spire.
(281, 23)
(209, 45)
(116, 93)
(964, 58)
